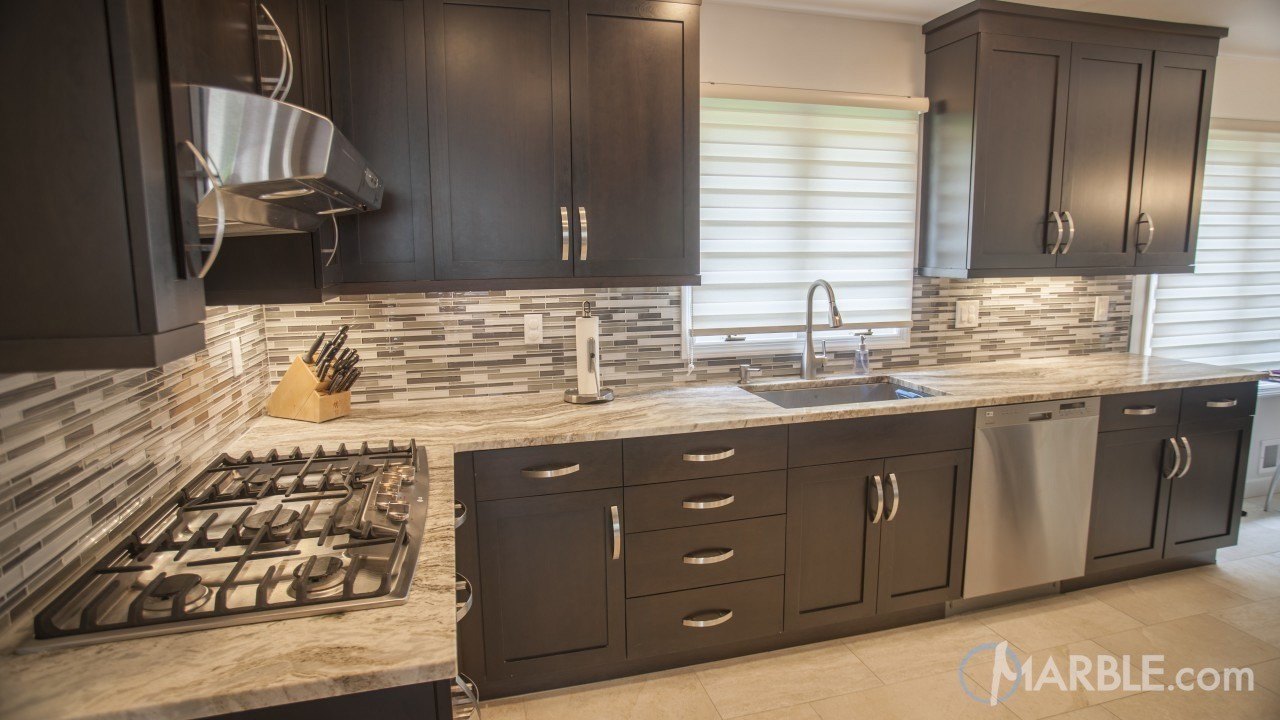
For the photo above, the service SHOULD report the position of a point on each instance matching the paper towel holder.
(593, 365)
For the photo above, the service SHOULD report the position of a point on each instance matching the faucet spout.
(809, 361)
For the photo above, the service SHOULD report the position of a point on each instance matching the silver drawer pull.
(461, 585)
(459, 514)
(1187, 467)
(1222, 403)
(1140, 410)
(708, 455)
(722, 617)
(550, 471)
(708, 557)
(707, 502)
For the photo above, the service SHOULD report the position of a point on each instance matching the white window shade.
(1228, 312)
(792, 192)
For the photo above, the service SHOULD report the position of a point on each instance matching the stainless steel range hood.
(273, 167)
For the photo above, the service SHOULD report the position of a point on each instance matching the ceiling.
(1254, 24)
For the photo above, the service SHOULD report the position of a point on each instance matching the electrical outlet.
(967, 313)
(1101, 309)
(237, 359)
(533, 329)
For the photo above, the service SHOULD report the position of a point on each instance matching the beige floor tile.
(925, 698)
(664, 696)
(779, 679)
(1260, 619)
(503, 710)
(1198, 641)
(911, 652)
(1097, 712)
(1257, 578)
(1161, 598)
(1267, 675)
(1056, 621)
(1047, 700)
(1257, 537)
(795, 712)
(1198, 705)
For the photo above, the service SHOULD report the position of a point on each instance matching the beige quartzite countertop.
(216, 671)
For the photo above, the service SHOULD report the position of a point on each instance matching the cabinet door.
(1021, 127)
(498, 79)
(1206, 496)
(1130, 494)
(377, 63)
(832, 545)
(634, 89)
(553, 588)
(1102, 174)
(1181, 86)
(923, 537)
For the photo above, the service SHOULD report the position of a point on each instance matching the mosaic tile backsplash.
(82, 451)
(416, 347)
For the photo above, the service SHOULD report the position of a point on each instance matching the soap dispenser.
(862, 356)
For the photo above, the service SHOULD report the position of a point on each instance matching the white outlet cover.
(1101, 309)
(533, 329)
(967, 313)
(237, 358)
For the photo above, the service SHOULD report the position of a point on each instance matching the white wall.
(1246, 88)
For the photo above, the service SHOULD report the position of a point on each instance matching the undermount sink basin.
(831, 394)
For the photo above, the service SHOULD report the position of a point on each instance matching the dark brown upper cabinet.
(94, 238)
(1062, 143)
(564, 142)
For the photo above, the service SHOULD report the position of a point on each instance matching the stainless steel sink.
(832, 394)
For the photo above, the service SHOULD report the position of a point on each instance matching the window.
(1228, 311)
(795, 191)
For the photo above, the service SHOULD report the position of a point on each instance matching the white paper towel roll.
(587, 330)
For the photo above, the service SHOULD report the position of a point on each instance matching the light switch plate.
(237, 359)
(533, 329)
(1101, 308)
(967, 313)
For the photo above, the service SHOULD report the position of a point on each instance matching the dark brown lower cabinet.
(1205, 500)
(553, 582)
(1130, 493)
(875, 536)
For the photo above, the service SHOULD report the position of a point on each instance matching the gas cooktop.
(255, 539)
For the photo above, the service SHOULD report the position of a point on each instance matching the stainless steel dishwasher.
(1031, 492)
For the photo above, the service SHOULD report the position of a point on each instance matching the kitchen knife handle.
(310, 357)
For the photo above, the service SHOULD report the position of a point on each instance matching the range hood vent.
(271, 167)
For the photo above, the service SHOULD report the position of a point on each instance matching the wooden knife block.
(301, 396)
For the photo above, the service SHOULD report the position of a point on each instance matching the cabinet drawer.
(705, 500)
(1219, 402)
(682, 558)
(704, 618)
(724, 452)
(1139, 410)
(547, 469)
(823, 443)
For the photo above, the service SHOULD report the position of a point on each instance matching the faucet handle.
(745, 371)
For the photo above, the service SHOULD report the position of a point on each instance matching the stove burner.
(184, 586)
(280, 526)
(324, 579)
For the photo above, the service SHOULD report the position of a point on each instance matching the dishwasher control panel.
(1003, 415)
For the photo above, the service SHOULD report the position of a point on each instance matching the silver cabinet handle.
(1228, 403)
(879, 499)
(1071, 231)
(707, 503)
(1186, 468)
(708, 455)
(1057, 218)
(465, 702)
(215, 185)
(617, 531)
(1140, 410)
(564, 233)
(721, 618)
(337, 237)
(582, 220)
(1177, 459)
(550, 471)
(459, 514)
(462, 584)
(708, 557)
(284, 83)
(893, 511)
(1151, 232)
